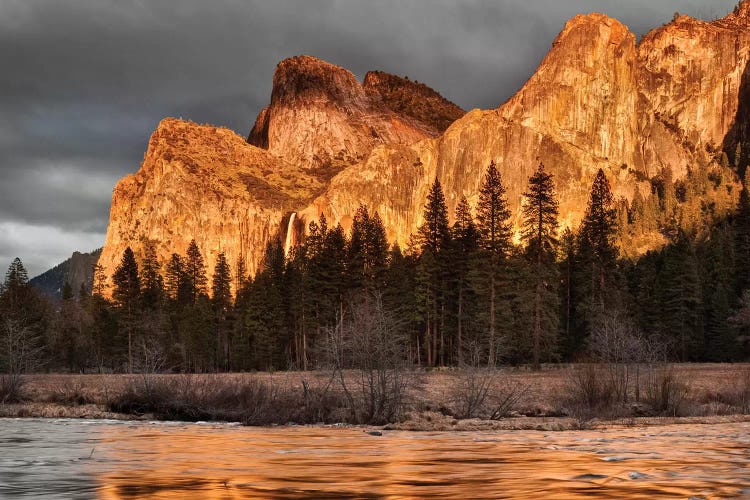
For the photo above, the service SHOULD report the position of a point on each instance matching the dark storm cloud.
(85, 82)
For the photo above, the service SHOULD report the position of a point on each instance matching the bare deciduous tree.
(375, 346)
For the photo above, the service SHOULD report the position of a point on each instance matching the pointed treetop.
(493, 214)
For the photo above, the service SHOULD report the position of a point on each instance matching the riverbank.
(556, 398)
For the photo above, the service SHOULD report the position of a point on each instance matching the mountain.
(233, 196)
(77, 270)
(208, 183)
(322, 118)
(597, 100)
(327, 143)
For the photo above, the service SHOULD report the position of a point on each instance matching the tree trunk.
(491, 356)
(442, 332)
(434, 341)
(459, 328)
(427, 338)
(537, 322)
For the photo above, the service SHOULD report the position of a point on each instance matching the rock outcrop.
(76, 271)
(323, 119)
(204, 183)
(597, 100)
(327, 143)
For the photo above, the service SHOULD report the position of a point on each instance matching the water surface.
(107, 459)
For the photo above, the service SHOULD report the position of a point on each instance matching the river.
(108, 459)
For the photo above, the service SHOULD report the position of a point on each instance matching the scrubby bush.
(11, 388)
(665, 394)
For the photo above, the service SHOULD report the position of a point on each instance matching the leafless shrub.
(11, 388)
(735, 395)
(665, 393)
(149, 357)
(20, 347)
(588, 391)
(372, 342)
(252, 402)
(622, 349)
(322, 404)
(70, 394)
(481, 392)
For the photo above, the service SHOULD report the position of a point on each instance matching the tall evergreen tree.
(681, 301)
(175, 282)
(434, 232)
(368, 249)
(221, 296)
(539, 233)
(567, 291)
(742, 239)
(15, 289)
(152, 282)
(597, 250)
(465, 243)
(195, 272)
(495, 238)
(493, 215)
(433, 237)
(127, 294)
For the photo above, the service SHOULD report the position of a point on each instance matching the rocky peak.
(305, 80)
(205, 183)
(322, 118)
(413, 99)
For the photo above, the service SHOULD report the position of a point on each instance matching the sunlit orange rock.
(327, 143)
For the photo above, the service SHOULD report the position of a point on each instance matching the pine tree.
(433, 237)
(681, 299)
(15, 289)
(377, 250)
(240, 277)
(221, 296)
(195, 272)
(597, 249)
(67, 291)
(465, 241)
(127, 294)
(540, 212)
(493, 215)
(100, 280)
(175, 282)
(539, 233)
(151, 279)
(493, 224)
(434, 232)
(368, 249)
(567, 291)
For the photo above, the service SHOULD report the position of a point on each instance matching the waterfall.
(289, 242)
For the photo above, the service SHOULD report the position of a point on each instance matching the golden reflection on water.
(197, 461)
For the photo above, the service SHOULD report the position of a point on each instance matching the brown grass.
(308, 397)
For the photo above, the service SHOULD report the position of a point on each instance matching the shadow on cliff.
(740, 129)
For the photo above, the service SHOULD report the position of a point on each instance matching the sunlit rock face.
(690, 74)
(322, 118)
(577, 113)
(597, 100)
(205, 183)
(327, 143)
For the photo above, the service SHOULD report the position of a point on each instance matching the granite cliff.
(327, 143)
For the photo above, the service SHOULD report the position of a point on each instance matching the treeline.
(461, 293)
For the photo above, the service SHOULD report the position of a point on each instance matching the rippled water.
(106, 459)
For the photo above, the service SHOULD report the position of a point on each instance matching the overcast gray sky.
(84, 83)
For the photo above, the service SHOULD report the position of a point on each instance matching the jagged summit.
(413, 99)
(304, 79)
(323, 118)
